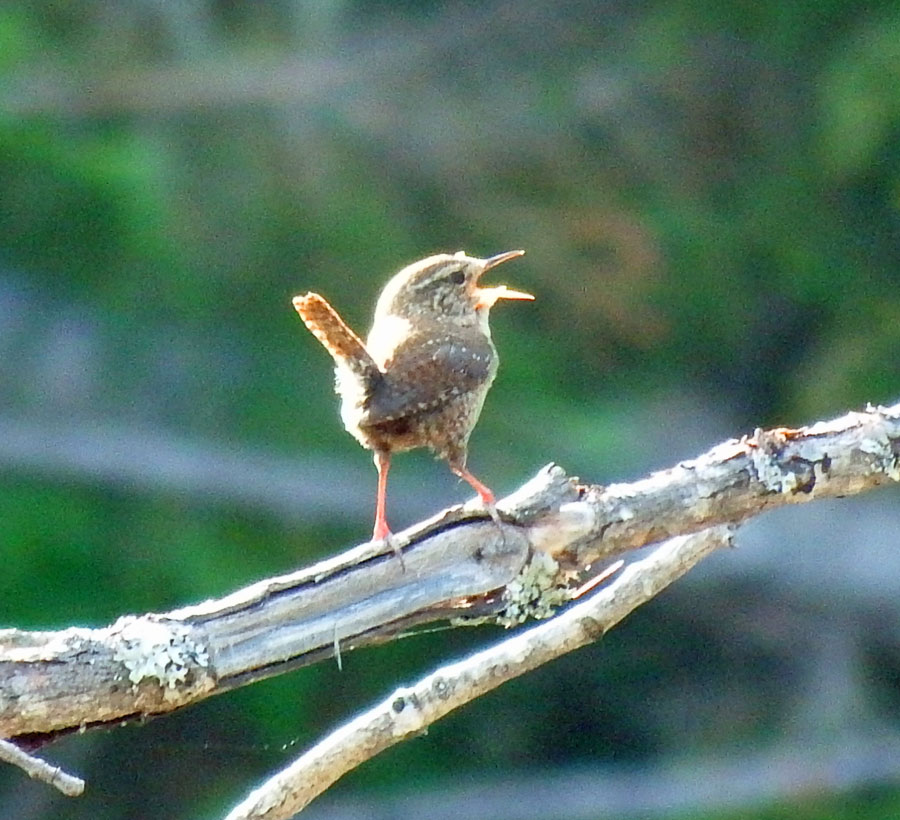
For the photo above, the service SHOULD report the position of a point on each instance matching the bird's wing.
(345, 347)
(427, 375)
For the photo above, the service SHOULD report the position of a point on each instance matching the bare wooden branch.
(410, 710)
(458, 563)
(68, 784)
(731, 483)
(52, 682)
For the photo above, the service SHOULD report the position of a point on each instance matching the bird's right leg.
(382, 464)
(382, 531)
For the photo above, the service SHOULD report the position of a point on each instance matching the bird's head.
(445, 286)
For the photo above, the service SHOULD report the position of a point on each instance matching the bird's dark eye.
(457, 277)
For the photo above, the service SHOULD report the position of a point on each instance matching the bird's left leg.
(458, 466)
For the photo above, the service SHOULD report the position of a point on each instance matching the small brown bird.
(422, 375)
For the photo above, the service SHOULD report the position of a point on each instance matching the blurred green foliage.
(709, 194)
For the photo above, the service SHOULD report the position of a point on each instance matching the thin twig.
(68, 784)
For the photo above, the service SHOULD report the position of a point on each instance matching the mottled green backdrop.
(709, 195)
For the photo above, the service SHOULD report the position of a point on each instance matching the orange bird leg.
(484, 492)
(382, 464)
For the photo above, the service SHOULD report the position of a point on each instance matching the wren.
(421, 377)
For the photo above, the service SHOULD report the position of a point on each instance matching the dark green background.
(709, 195)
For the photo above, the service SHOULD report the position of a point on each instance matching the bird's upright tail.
(345, 347)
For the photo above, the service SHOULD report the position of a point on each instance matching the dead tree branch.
(410, 710)
(458, 564)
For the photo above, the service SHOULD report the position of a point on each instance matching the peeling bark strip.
(455, 564)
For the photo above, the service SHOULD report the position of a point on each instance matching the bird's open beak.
(488, 296)
(500, 258)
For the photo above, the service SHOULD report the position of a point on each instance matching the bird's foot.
(392, 543)
(490, 507)
(382, 533)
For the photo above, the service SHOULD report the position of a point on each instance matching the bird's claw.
(390, 541)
